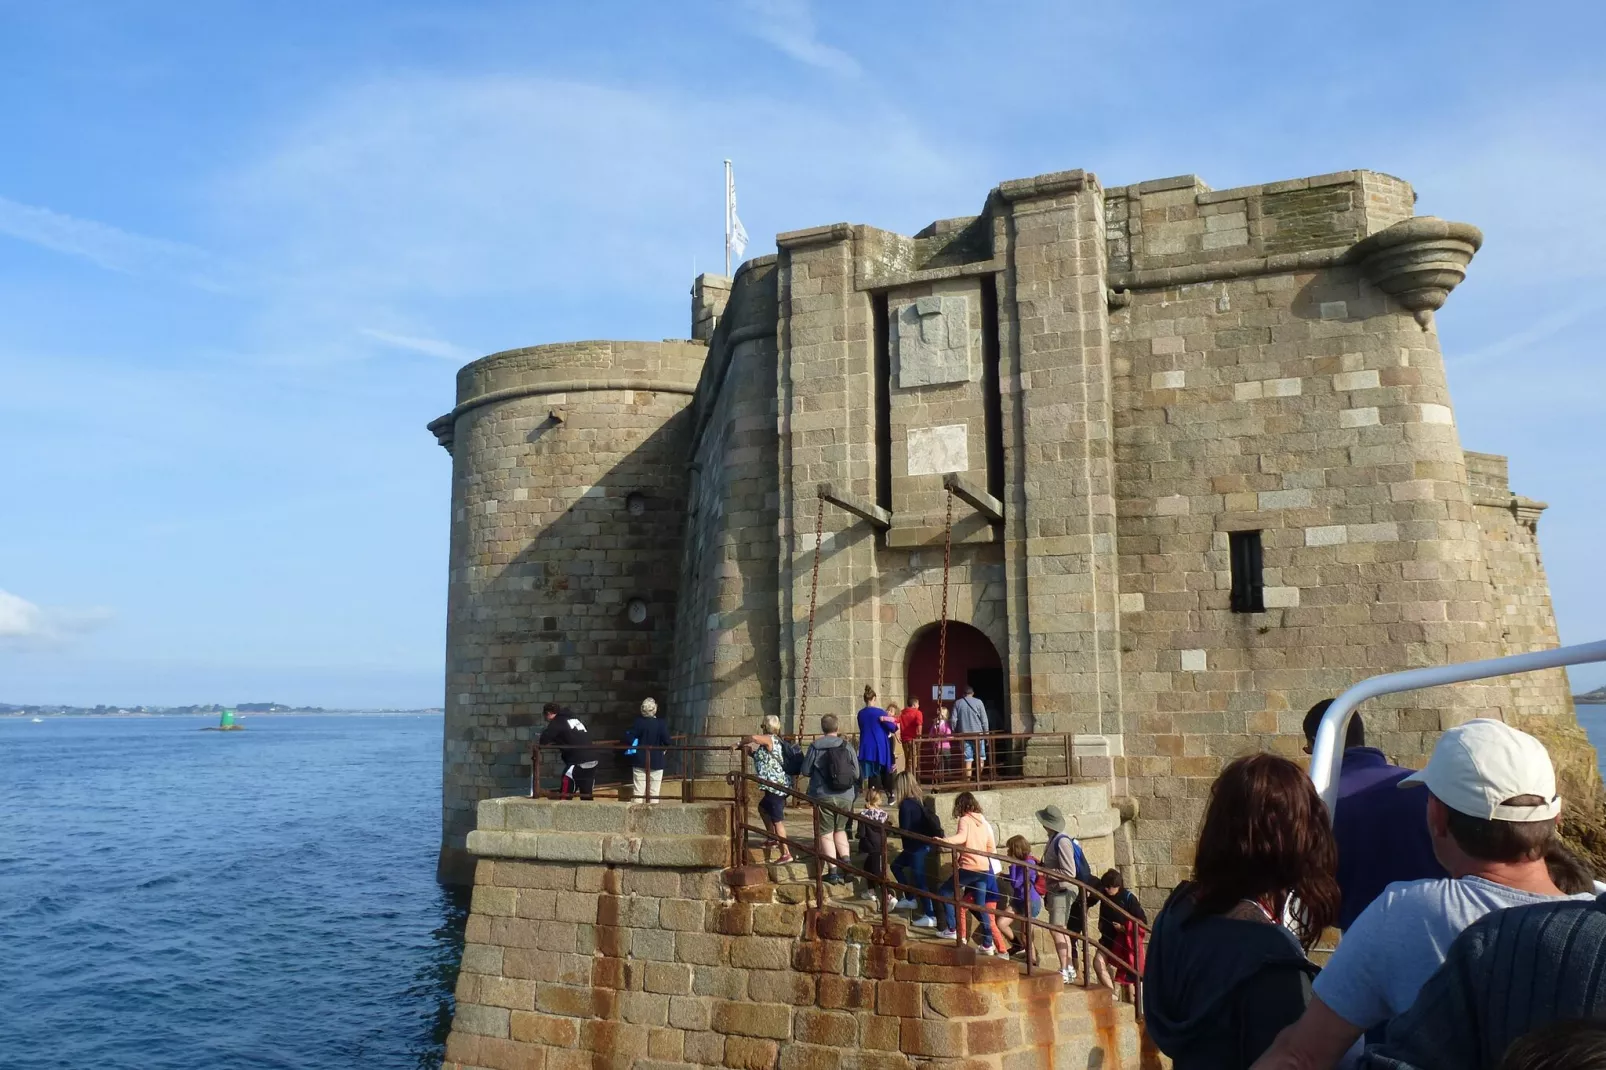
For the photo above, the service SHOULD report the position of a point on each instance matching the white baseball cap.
(1478, 765)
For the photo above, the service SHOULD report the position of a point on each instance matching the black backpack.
(791, 758)
(839, 773)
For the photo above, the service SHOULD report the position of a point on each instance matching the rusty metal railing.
(684, 765)
(883, 882)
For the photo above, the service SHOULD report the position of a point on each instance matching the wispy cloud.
(410, 209)
(110, 247)
(789, 26)
(24, 623)
(1527, 339)
(428, 346)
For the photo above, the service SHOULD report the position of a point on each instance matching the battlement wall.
(1180, 223)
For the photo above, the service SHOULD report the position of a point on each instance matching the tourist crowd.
(1466, 926)
(1470, 936)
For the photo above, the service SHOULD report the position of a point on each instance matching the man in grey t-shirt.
(1491, 812)
(970, 718)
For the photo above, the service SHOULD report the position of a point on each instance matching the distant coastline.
(253, 709)
(1596, 697)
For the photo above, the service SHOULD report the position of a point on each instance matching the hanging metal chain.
(947, 558)
(814, 596)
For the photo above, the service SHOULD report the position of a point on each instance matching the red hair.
(1266, 833)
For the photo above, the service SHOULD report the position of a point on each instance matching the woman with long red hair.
(1227, 969)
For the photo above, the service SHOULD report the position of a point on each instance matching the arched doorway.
(972, 661)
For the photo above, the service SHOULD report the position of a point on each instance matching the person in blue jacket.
(877, 729)
(648, 736)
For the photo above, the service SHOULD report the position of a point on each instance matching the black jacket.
(1217, 990)
(912, 817)
(568, 733)
(648, 732)
(1111, 922)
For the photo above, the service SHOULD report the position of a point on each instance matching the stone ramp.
(575, 961)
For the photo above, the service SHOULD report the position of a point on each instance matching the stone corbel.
(1418, 261)
(1117, 299)
(1527, 511)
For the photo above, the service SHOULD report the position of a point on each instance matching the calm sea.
(172, 898)
(1593, 718)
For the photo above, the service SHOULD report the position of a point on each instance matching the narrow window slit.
(1248, 580)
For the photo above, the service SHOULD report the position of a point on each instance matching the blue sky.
(244, 247)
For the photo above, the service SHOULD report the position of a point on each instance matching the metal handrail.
(658, 759)
(1327, 755)
(885, 883)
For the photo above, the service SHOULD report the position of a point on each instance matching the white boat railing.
(1327, 755)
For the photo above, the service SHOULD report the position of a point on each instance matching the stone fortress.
(1207, 473)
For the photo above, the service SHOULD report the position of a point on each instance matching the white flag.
(737, 239)
(738, 234)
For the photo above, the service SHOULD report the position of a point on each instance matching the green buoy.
(226, 723)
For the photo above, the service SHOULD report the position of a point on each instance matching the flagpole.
(727, 218)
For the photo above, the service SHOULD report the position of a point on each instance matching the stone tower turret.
(568, 473)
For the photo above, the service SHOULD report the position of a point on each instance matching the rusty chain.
(814, 595)
(947, 557)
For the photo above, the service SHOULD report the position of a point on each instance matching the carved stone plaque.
(936, 450)
(931, 337)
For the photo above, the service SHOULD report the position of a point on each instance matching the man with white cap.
(1492, 810)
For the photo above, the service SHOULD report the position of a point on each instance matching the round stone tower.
(568, 490)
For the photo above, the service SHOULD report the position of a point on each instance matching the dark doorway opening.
(973, 661)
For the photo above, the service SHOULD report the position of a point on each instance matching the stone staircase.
(984, 1006)
(610, 936)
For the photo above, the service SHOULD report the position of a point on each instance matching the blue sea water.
(173, 898)
(1593, 719)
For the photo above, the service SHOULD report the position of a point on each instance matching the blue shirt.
(1382, 831)
(875, 744)
(1397, 943)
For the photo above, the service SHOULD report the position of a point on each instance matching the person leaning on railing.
(579, 757)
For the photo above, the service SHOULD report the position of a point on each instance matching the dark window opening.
(992, 401)
(883, 400)
(1248, 581)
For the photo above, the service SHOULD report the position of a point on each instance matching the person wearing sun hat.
(1492, 812)
(1067, 903)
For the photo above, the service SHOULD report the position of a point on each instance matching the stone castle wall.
(1523, 614)
(1131, 375)
(727, 667)
(1303, 404)
(568, 488)
(876, 591)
